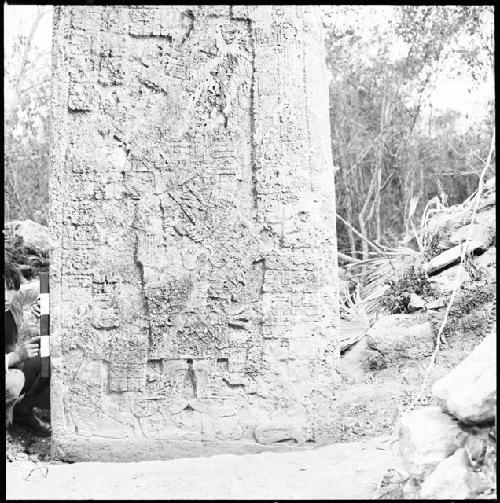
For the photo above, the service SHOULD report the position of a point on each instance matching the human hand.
(35, 310)
(28, 349)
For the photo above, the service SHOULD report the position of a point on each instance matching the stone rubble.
(423, 448)
(446, 280)
(449, 479)
(34, 235)
(444, 447)
(469, 390)
(449, 448)
(401, 336)
(416, 303)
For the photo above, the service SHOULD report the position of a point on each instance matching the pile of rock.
(382, 367)
(34, 235)
(449, 449)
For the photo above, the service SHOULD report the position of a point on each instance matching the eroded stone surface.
(450, 479)
(426, 437)
(193, 283)
(34, 235)
(469, 391)
(401, 336)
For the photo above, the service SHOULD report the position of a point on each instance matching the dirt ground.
(338, 471)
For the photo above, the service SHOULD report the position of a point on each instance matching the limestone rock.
(487, 202)
(416, 303)
(451, 256)
(391, 486)
(33, 234)
(426, 437)
(490, 183)
(436, 304)
(411, 490)
(450, 479)
(487, 264)
(398, 336)
(445, 280)
(469, 390)
(443, 219)
(483, 229)
(476, 231)
(488, 258)
(373, 360)
(477, 483)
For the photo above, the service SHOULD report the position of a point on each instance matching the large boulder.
(426, 437)
(482, 230)
(34, 235)
(469, 391)
(416, 303)
(450, 479)
(444, 219)
(487, 259)
(401, 336)
(487, 264)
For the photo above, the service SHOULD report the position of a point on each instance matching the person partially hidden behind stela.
(24, 386)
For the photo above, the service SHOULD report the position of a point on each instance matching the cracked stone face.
(194, 271)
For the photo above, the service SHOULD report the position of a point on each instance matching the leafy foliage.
(389, 153)
(397, 298)
(26, 123)
(30, 261)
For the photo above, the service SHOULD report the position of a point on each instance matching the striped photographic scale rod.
(45, 323)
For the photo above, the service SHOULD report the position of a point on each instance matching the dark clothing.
(10, 332)
(36, 389)
(25, 379)
(24, 386)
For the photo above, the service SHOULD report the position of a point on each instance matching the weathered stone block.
(450, 479)
(33, 234)
(469, 391)
(446, 280)
(193, 210)
(487, 264)
(426, 437)
(401, 336)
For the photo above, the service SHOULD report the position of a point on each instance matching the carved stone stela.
(194, 270)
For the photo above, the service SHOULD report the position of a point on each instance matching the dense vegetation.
(395, 153)
(26, 123)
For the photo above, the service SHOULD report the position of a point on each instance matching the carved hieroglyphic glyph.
(194, 280)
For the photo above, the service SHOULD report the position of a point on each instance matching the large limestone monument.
(193, 268)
